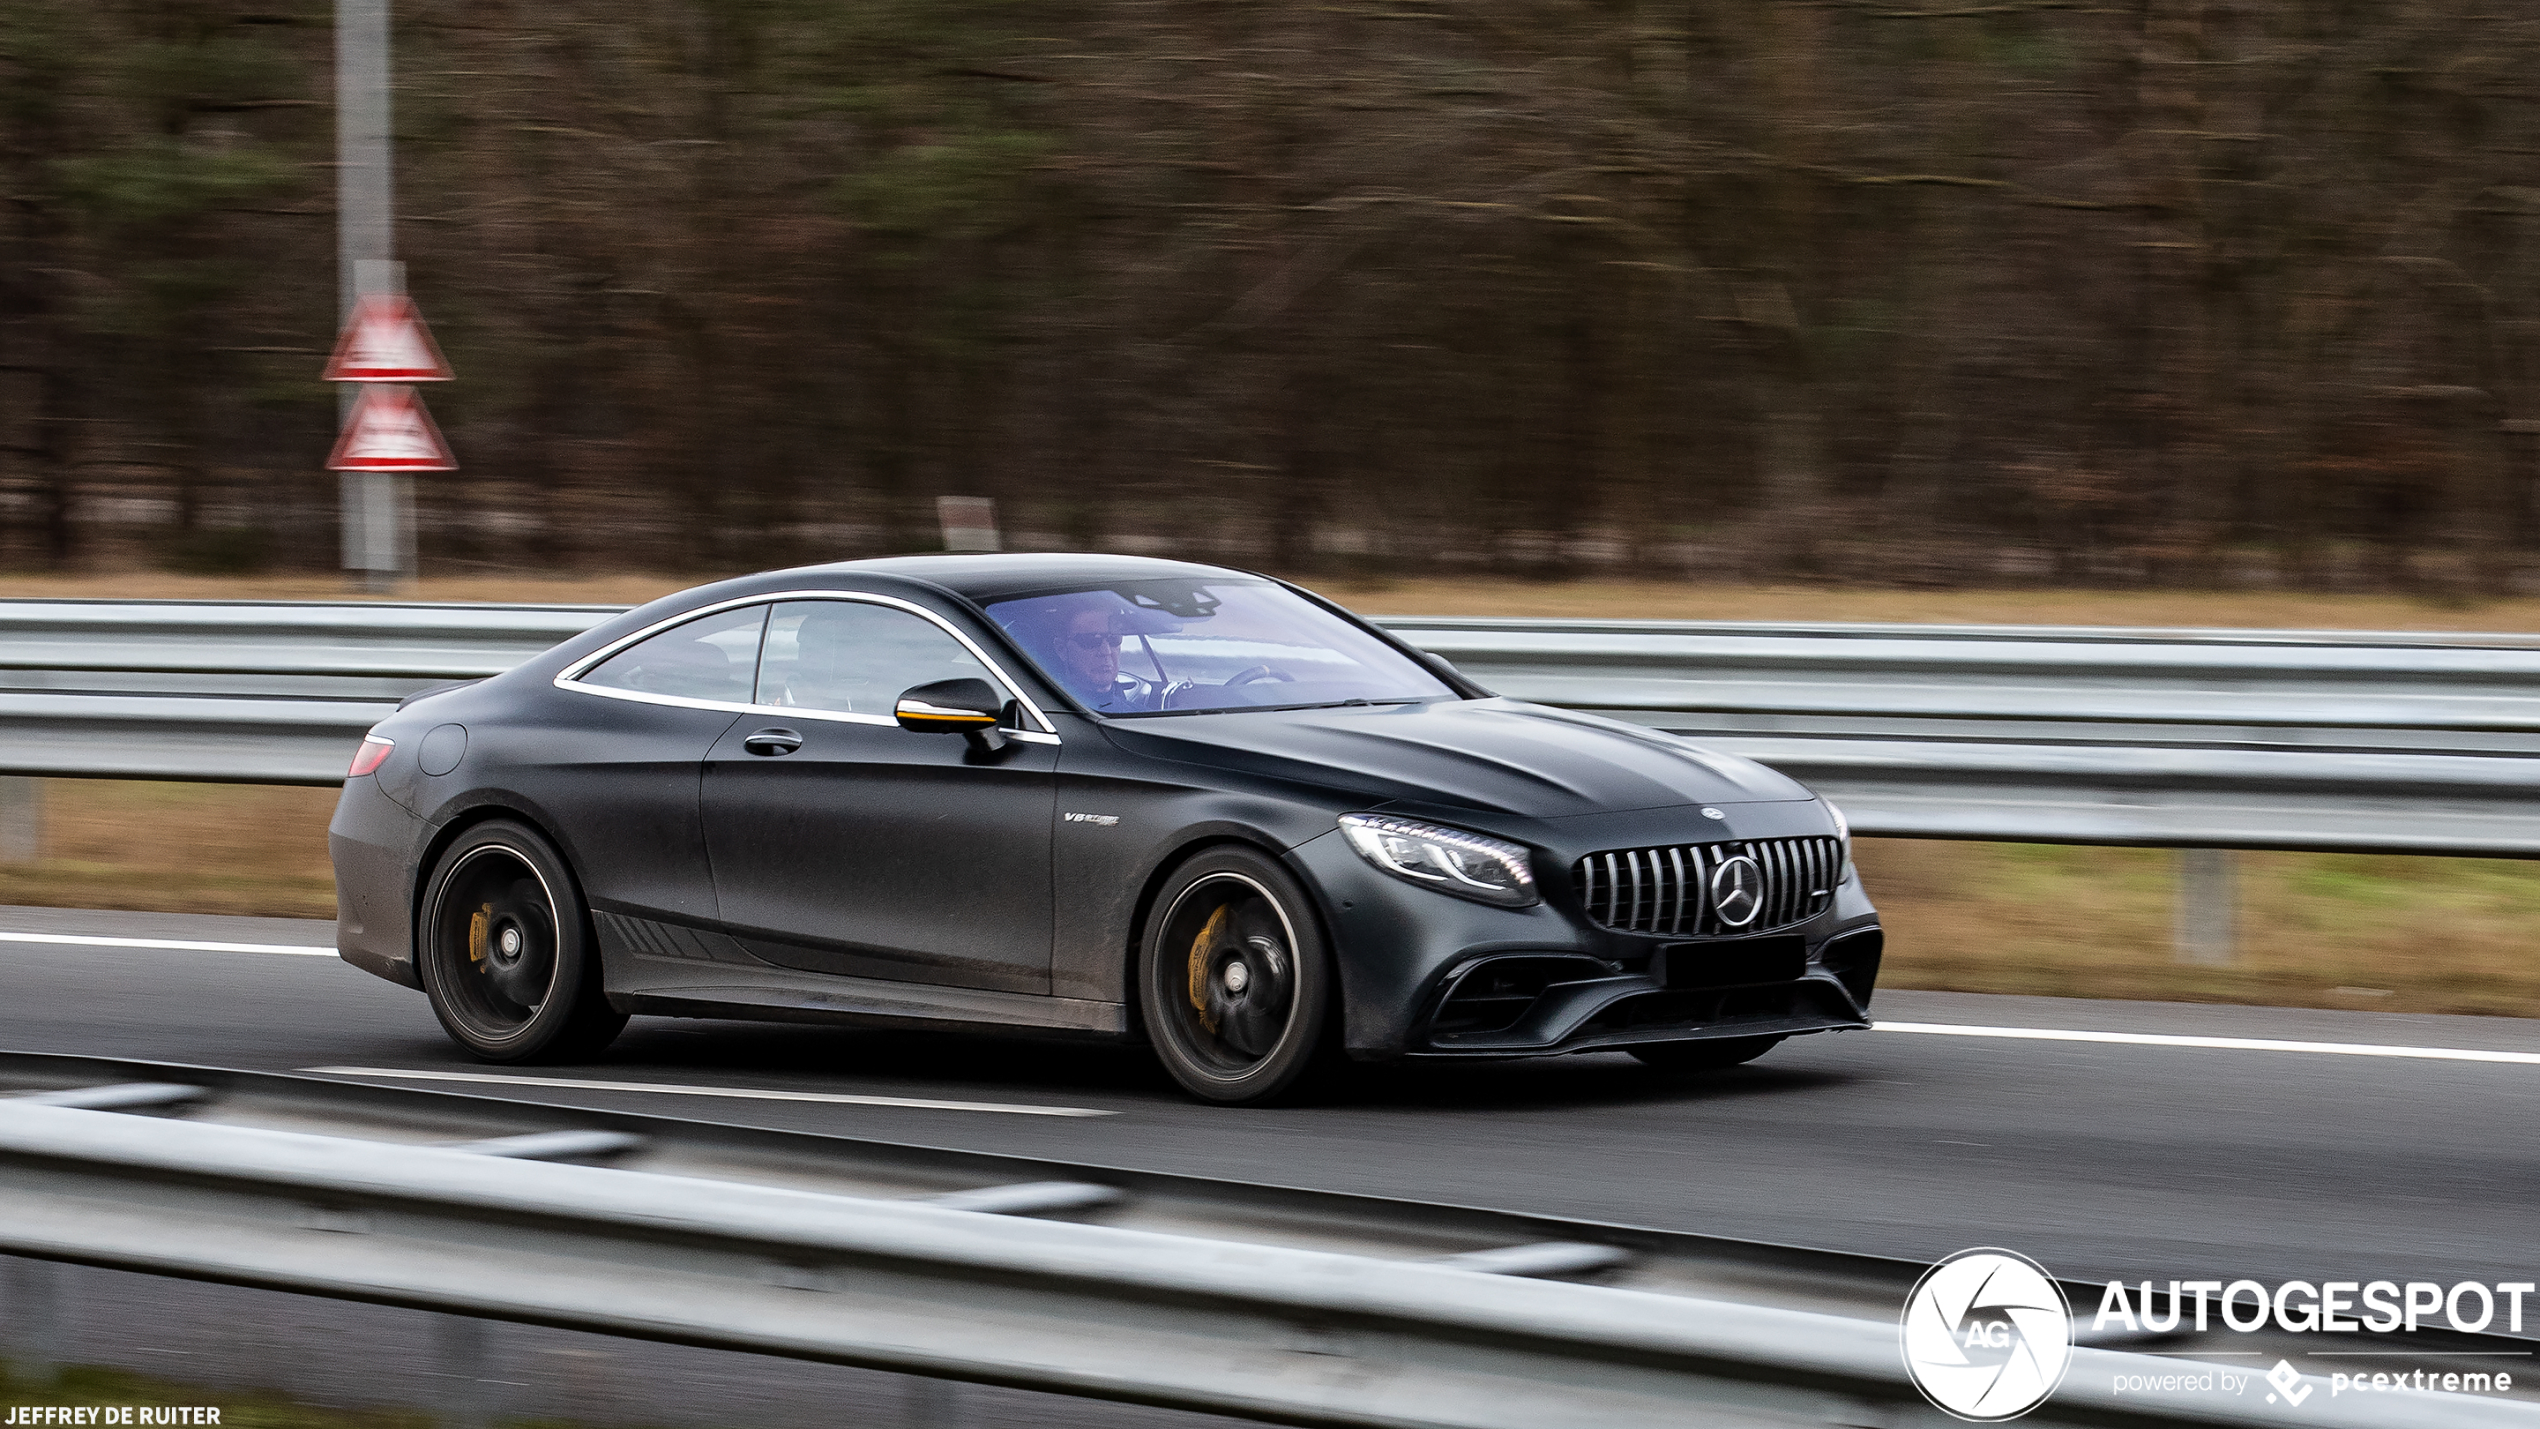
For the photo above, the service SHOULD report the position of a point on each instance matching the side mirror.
(965, 707)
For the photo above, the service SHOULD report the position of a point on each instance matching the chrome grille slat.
(1701, 889)
(1771, 915)
(1709, 919)
(1776, 883)
(1665, 891)
(1796, 897)
(1676, 917)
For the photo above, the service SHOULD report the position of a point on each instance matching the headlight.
(1486, 870)
(1842, 831)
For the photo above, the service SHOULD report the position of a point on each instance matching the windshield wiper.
(1355, 701)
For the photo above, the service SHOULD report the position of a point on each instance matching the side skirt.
(656, 968)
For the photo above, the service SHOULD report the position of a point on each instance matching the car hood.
(1494, 754)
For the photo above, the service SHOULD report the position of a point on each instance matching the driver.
(1081, 639)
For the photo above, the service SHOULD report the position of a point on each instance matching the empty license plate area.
(1733, 962)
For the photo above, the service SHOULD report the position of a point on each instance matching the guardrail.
(2221, 738)
(946, 1288)
(2217, 738)
(237, 691)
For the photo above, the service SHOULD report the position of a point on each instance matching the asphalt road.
(2099, 1158)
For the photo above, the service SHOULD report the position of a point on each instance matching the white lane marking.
(743, 1093)
(2233, 1044)
(186, 945)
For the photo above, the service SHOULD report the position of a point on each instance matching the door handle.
(773, 741)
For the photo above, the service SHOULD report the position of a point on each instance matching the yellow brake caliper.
(1199, 968)
(476, 934)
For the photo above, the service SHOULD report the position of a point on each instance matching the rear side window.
(854, 658)
(714, 657)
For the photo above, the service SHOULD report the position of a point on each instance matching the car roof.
(985, 578)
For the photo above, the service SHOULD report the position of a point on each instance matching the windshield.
(1162, 647)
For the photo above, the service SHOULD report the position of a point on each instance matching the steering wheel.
(1258, 672)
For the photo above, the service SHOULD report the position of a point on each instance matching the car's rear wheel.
(506, 952)
(1235, 981)
(1708, 1056)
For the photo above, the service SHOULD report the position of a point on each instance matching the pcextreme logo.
(1987, 1335)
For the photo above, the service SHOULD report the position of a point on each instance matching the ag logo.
(1737, 891)
(1988, 1335)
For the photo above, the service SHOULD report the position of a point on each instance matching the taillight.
(368, 758)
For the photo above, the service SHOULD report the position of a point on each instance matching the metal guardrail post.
(33, 1346)
(21, 819)
(930, 1404)
(459, 1350)
(2208, 906)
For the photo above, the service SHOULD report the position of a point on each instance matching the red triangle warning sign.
(386, 342)
(390, 431)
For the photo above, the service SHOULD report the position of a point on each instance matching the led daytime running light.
(1452, 861)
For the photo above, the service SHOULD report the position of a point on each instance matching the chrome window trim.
(570, 678)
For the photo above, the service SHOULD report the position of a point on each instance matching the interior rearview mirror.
(964, 707)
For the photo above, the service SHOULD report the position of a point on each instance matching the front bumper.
(1426, 975)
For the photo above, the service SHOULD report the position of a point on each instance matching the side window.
(711, 658)
(855, 658)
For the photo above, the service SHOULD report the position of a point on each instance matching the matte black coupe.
(1095, 796)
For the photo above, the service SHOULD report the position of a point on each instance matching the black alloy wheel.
(506, 953)
(1706, 1056)
(1236, 985)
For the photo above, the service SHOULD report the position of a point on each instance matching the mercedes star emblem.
(1737, 891)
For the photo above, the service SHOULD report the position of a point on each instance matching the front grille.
(1667, 891)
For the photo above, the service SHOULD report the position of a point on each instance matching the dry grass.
(1672, 600)
(2416, 934)
(168, 585)
(2390, 934)
(180, 848)
(1656, 600)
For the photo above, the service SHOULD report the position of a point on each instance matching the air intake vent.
(1679, 891)
(1492, 996)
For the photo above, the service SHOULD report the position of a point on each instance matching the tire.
(1235, 981)
(506, 953)
(1708, 1056)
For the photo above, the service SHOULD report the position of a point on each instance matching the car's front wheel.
(506, 953)
(1706, 1056)
(1235, 981)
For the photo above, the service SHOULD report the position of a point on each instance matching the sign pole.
(378, 531)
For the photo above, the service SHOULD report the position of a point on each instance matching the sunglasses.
(1088, 640)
